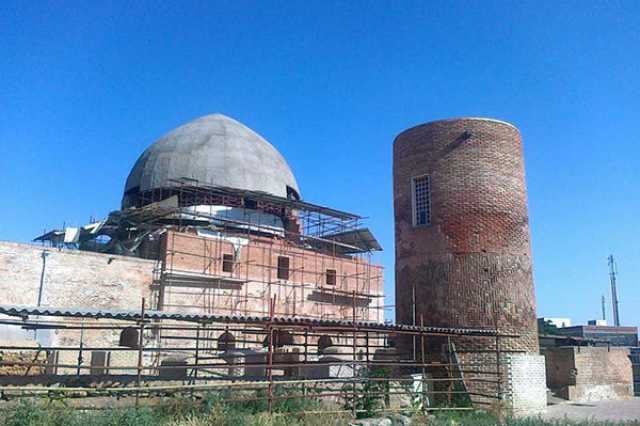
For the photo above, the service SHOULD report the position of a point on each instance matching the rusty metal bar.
(272, 307)
(353, 367)
(424, 370)
(140, 352)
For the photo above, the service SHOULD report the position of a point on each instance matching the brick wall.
(589, 373)
(471, 267)
(78, 279)
(21, 357)
(304, 293)
(73, 279)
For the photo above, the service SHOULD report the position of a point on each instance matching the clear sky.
(85, 87)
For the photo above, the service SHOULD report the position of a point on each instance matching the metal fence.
(344, 365)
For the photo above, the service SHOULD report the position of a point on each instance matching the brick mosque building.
(211, 222)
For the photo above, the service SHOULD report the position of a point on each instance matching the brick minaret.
(462, 232)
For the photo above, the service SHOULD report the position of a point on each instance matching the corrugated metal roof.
(131, 315)
(361, 238)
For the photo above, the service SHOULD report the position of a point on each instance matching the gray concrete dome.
(215, 150)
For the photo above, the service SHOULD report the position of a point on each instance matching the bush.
(371, 396)
(32, 414)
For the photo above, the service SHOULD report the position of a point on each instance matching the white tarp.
(71, 235)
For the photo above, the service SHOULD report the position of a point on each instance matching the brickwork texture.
(471, 266)
(73, 279)
(304, 292)
(589, 373)
(31, 274)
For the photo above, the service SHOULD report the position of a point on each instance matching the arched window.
(292, 194)
(323, 343)
(226, 341)
(130, 337)
(280, 338)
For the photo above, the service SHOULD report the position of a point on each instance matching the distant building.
(558, 322)
(553, 341)
(616, 336)
(598, 322)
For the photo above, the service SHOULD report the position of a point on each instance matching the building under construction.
(217, 211)
(216, 269)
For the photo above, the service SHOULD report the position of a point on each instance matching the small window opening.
(331, 277)
(100, 362)
(227, 263)
(226, 341)
(283, 268)
(323, 343)
(280, 338)
(421, 190)
(129, 337)
(250, 204)
(292, 194)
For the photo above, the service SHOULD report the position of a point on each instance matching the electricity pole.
(613, 270)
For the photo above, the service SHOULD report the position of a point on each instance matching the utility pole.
(604, 310)
(613, 270)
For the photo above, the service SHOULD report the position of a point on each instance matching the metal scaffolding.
(330, 360)
(328, 252)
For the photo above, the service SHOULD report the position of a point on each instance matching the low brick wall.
(71, 279)
(22, 359)
(589, 373)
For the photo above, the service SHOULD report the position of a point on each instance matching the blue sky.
(86, 86)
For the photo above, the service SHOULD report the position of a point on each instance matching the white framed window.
(421, 195)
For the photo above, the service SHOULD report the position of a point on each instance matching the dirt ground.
(617, 410)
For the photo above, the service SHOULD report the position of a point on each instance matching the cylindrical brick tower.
(462, 231)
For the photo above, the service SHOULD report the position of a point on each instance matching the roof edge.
(454, 119)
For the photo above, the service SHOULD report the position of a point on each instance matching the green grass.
(176, 411)
(212, 410)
